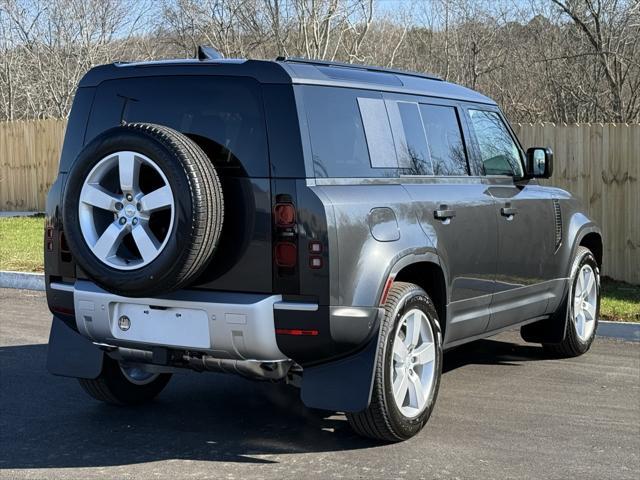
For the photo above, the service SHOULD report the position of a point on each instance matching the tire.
(575, 344)
(189, 238)
(384, 419)
(115, 388)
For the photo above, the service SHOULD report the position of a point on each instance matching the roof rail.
(369, 68)
(208, 53)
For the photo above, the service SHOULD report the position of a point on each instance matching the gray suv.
(333, 226)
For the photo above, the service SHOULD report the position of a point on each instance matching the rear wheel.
(408, 368)
(583, 307)
(120, 384)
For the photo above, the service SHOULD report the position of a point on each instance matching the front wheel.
(124, 385)
(583, 307)
(408, 368)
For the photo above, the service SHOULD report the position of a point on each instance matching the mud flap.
(344, 385)
(72, 355)
(551, 330)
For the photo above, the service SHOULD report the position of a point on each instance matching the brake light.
(286, 254)
(285, 215)
(296, 332)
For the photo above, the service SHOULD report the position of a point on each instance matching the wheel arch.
(428, 272)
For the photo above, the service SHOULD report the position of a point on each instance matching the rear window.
(224, 115)
(349, 132)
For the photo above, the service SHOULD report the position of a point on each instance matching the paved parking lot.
(504, 411)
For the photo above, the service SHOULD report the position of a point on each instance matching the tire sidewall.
(172, 256)
(584, 257)
(403, 426)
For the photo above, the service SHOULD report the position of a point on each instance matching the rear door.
(456, 211)
(525, 217)
(225, 117)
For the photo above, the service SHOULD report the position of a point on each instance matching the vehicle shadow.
(49, 422)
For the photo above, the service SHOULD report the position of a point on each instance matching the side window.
(413, 151)
(378, 132)
(498, 152)
(349, 132)
(444, 138)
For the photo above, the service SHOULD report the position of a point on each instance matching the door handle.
(508, 211)
(444, 213)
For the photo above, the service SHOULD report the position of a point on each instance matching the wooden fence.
(599, 163)
(29, 155)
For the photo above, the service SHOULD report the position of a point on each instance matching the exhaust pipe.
(253, 369)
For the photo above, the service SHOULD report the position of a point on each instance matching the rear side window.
(444, 137)
(349, 132)
(498, 152)
(412, 142)
(223, 115)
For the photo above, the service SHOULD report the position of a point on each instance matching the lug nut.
(134, 221)
(139, 206)
(119, 206)
(122, 220)
(129, 197)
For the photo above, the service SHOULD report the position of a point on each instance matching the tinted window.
(224, 115)
(338, 140)
(444, 139)
(498, 152)
(412, 143)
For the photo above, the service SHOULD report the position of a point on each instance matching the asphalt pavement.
(504, 411)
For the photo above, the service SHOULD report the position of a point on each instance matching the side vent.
(558, 218)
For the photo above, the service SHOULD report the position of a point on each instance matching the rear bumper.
(226, 325)
(219, 324)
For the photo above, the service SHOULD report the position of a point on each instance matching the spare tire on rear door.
(142, 210)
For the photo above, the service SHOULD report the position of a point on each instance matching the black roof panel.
(294, 71)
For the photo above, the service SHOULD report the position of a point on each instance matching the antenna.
(208, 53)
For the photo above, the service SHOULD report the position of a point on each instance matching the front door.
(525, 219)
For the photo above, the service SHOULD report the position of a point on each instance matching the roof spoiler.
(208, 53)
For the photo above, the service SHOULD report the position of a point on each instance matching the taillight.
(284, 215)
(297, 332)
(286, 254)
(285, 241)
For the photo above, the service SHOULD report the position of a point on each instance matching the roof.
(293, 71)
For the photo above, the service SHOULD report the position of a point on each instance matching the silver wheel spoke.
(413, 329)
(128, 171)
(416, 391)
(96, 196)
(425, 353)
(590, 310)
(590, 283)
(109, 241)
(580, 324)
(400, 351)
(400, 386)
(157, 200)
(145, 241)
(581, 281)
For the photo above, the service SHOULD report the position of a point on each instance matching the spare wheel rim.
(122, 213)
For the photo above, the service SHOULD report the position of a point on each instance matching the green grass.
(620, 301)
(21, 249)
(21, 244)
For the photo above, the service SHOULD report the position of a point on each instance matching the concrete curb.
(621, 330)
(35, 281)
(27, 281)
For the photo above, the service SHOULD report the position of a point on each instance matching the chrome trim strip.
(65, 287)
(302, 307)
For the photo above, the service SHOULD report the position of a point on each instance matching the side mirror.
(539, 162)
